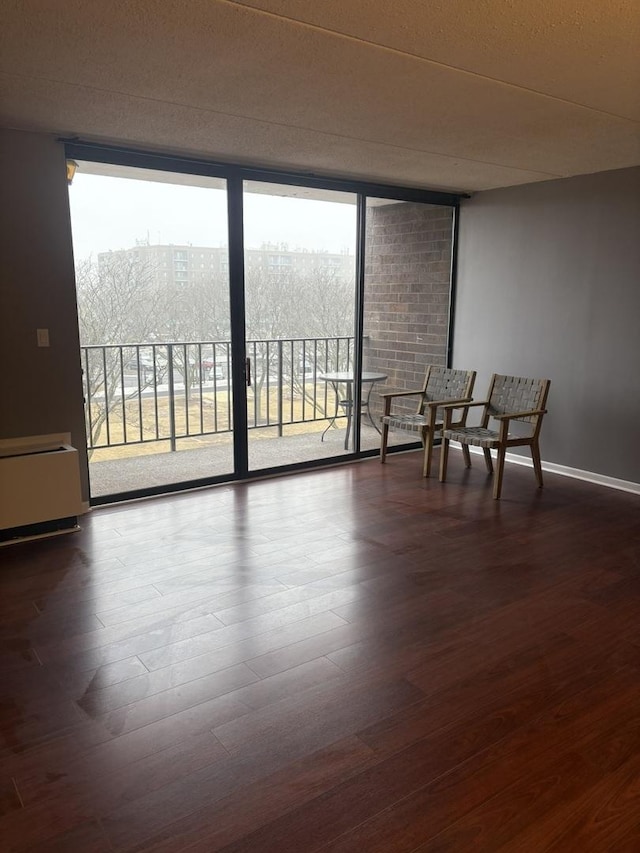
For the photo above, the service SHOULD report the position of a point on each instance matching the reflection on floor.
(355, 659)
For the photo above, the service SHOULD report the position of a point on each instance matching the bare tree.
(193, 314)
(308, 311)
(116, 311)
(117, 302)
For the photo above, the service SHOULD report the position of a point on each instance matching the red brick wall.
(407, 287)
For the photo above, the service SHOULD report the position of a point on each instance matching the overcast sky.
(112, 213)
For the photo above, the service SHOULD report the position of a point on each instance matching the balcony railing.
(149, 392)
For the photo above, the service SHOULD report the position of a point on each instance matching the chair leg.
(537, 464)
(497, 483)
(427, 440)
(384, 435)
(488, 460)
(444, 457)
(466, 455)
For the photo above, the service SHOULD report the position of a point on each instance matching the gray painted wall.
(549, 286)
(40, 389)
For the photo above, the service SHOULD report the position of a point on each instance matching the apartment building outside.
(184, 265)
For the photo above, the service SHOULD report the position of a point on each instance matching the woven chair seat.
(476, 436)
(413, 423)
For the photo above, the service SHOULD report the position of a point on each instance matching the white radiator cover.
(39, 480)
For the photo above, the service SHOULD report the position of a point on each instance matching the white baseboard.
(575, 473)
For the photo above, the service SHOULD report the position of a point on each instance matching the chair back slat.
(445, 383)
(517, 394)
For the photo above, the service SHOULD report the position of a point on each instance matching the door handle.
(247, 371)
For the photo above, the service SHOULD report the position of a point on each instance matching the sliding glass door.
(152, 277)
(300, 310)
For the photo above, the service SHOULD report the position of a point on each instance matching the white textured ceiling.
(450, 94)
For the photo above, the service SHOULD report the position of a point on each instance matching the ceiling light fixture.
(72, 167)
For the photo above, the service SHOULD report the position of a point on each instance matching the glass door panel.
(152, 281)
(300, 246)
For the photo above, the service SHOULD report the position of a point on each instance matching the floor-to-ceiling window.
(232, 323)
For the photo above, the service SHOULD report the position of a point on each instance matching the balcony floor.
(147, 470)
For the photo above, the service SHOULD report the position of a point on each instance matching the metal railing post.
(172, 399)
(280, 395)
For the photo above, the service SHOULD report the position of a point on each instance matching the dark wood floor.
(344, 660)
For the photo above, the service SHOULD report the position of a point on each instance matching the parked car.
(148, 368)
(211, 370)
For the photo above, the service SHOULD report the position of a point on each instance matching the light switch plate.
(43, 337)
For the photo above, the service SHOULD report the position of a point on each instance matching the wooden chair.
(510, 398)
(441, 385)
